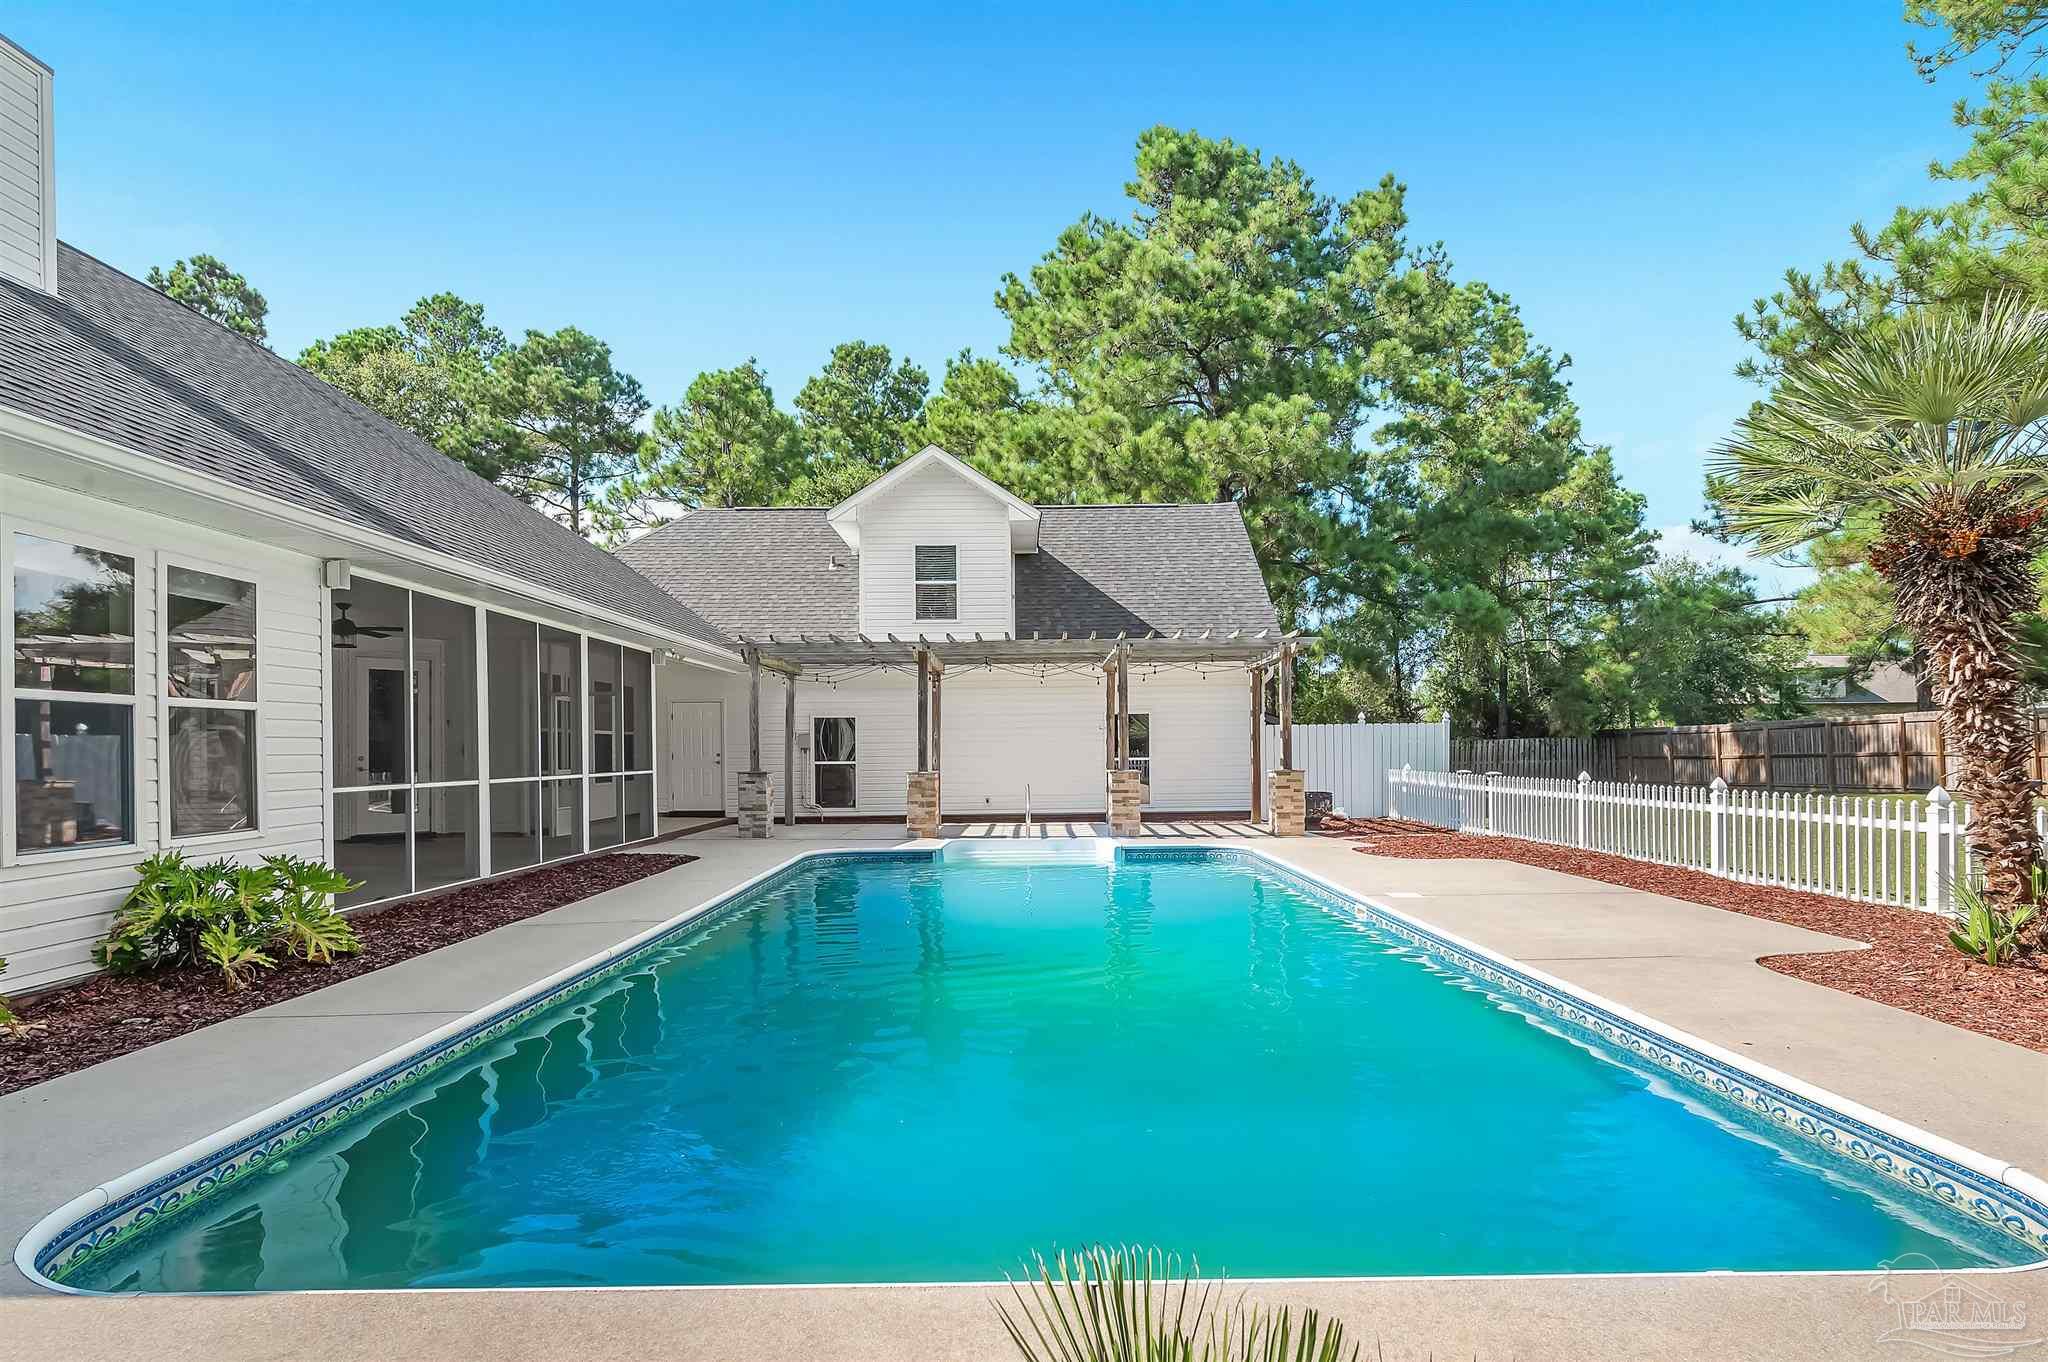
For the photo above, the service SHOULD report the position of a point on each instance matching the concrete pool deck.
(1686, 965)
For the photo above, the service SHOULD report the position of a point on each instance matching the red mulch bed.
(110, 1015)
(1910, 963)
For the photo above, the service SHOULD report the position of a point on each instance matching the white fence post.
(1717, 826)
(1397, 788)
(1579, 834)
(1940, 851)
(1491, 826)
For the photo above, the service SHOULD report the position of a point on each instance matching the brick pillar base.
(921, 804)
(1126, 793)
(757, 803)
(1286, 804)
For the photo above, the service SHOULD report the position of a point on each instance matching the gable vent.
(28, 199)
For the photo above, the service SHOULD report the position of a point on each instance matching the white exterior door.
(696, 755)
(375, 740)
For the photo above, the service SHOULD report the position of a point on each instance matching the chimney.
(28, 179)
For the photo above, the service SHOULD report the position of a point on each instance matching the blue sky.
(760, 180)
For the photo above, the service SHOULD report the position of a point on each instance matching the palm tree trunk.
(1961, 608)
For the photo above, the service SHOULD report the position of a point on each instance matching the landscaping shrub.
(232, 917)
(1987, 931)
(1127, 1304)
(8, 1020)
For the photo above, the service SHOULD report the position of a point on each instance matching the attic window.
(938, 582)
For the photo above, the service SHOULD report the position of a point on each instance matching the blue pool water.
(887, 1070)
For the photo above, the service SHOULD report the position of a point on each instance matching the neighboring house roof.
(1103, 569)
(1831, 680)
(115, 359)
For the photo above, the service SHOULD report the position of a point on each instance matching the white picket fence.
(1351, 761)
(1874, 848)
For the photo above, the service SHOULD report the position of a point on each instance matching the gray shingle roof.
(1109, 569)
(116, 359)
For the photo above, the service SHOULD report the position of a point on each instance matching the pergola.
(1257, 652)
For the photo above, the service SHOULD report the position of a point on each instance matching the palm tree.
(1938, 421)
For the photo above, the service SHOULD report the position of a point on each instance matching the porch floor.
(1058, 827)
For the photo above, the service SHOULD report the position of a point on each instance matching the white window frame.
(920, 581)
(10, 853)
(166, 703)
(853, 766)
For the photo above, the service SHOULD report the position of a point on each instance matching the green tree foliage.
(431, 373)
(207, 286)
(1694, 649)
(725, 444)
(728, 444)
(1217, 345)
(858, 408)
(569, 418)
(1990, 240)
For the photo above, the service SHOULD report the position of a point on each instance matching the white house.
(1015, 609)
(245, 614)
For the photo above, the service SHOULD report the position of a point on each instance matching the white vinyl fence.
(1351, 761)
(1876, 848)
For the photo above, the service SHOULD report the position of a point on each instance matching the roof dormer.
(846, 516)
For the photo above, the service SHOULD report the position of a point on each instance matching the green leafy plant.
(230, 916)
(1986, 931)
(233, 953)
(1129, 1304)
(8, 1021)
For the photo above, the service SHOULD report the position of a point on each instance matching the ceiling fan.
(346, 630)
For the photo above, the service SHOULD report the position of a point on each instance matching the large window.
(210, 702)
(72, 633)
(938, 581)
(832, 763)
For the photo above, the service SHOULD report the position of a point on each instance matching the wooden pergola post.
(1287, 707)
(753, 709)
(1123, 707)
(1258, 675)
(924, 726)
(1109, 716)
(789, 750)
(938, 726)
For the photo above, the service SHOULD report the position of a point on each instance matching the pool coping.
(1995, 1192)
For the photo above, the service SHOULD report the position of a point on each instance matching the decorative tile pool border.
(96, 1230)
(1979, 1193)
(93, 1224)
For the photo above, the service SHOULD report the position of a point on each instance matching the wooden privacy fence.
(1898, 752)
(1875, 848)
(1351, 761)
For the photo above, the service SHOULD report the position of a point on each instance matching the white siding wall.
(54, 906)
(936, 507)
(28, 237)
(1002, 731)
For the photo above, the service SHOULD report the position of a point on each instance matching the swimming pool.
(896, 1067)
